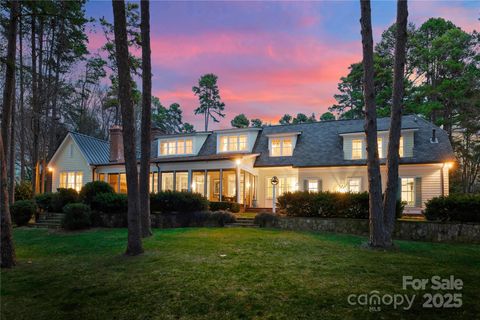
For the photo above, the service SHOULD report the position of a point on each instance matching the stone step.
(245, 220)
(46, 225)
(241, 224)
(57, 221)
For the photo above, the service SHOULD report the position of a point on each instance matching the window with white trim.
(357, 148)
(354, 185)
(285, 184)
(400, 150)
(233, 143)
(408, 191)
(312, 185)
(71, 180)
(281, 147)
(176, 147)
(380, 147)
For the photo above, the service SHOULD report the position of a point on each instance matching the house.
(238, 164)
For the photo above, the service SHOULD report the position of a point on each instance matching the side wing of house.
(69, 167)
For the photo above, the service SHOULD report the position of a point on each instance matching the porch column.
(189, 188)
(205, 185)
(159, 172)
(237, 183)
(221, 185)
(174, 180)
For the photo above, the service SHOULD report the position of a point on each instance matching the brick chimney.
(116, 144)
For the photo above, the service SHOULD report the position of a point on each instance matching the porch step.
(257, 210)
(242, 223)
(49, 220)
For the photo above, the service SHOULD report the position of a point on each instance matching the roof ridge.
(85, 135)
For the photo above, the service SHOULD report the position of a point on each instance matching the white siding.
(62, 161)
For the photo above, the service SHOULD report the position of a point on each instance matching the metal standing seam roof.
(96, 151)
(318, 144)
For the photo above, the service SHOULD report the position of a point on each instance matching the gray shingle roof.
(319, 144)
(96, 151)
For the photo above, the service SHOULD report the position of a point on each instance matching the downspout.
(158, 176)
(93, 172)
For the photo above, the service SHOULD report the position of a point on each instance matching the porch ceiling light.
(50, 169)
(238, 161)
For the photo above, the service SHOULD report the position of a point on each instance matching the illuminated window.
(312, 186)
(175, 147)
(153, 179)
(354, 185)
(71, 180)
(113, 181)
(233, 143)
(167, 181)
(357, 147)
(281, 147)
(408, 191)
(181, 181)
(285, 184)
(400, 150)
(380, 147)
(123, 183)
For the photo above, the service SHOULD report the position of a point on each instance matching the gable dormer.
(354, 144)
(181, 144)
(236, 140)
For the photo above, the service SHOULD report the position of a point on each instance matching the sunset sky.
(271, 57)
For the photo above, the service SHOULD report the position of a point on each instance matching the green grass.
(265, 274)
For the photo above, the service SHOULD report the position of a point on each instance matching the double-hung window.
(71, 180)
(176, 147)
(281, 147)
(232, 143)
(354, 185)
(408, 191)
(357, 149)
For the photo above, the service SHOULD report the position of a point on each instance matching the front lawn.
(231, 273)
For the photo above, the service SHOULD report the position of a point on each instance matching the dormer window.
(357, 148)
(281, 147)
(176, 147)
(233, 143)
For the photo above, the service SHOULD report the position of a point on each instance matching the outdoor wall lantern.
(274, 200)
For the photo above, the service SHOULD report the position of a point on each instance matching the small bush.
(224, 205)
(22, 211)
(91, 189)
(63, 197)
(265, 219)
(77, 216)
(23, 191)
(44, 201)
(113, 203)
(221, 217)
(176, 201)
(455, 207)
(328, 205)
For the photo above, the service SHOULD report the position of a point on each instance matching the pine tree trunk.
(7, 247)
(373, 165)
(146, 119)
(35, 107)
(22, 111)
(393, 157)
(134, 246)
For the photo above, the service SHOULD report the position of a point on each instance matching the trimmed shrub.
(91, 189)
(176, 201)
(44, 201)
(112, 203)
(225, 205)
(455, 207)
(22, 211)
(63, 197)
(77, 216)
(265, 219)
(222, 217)
(23, 191)
(327, 204)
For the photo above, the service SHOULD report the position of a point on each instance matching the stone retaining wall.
(405, 230)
